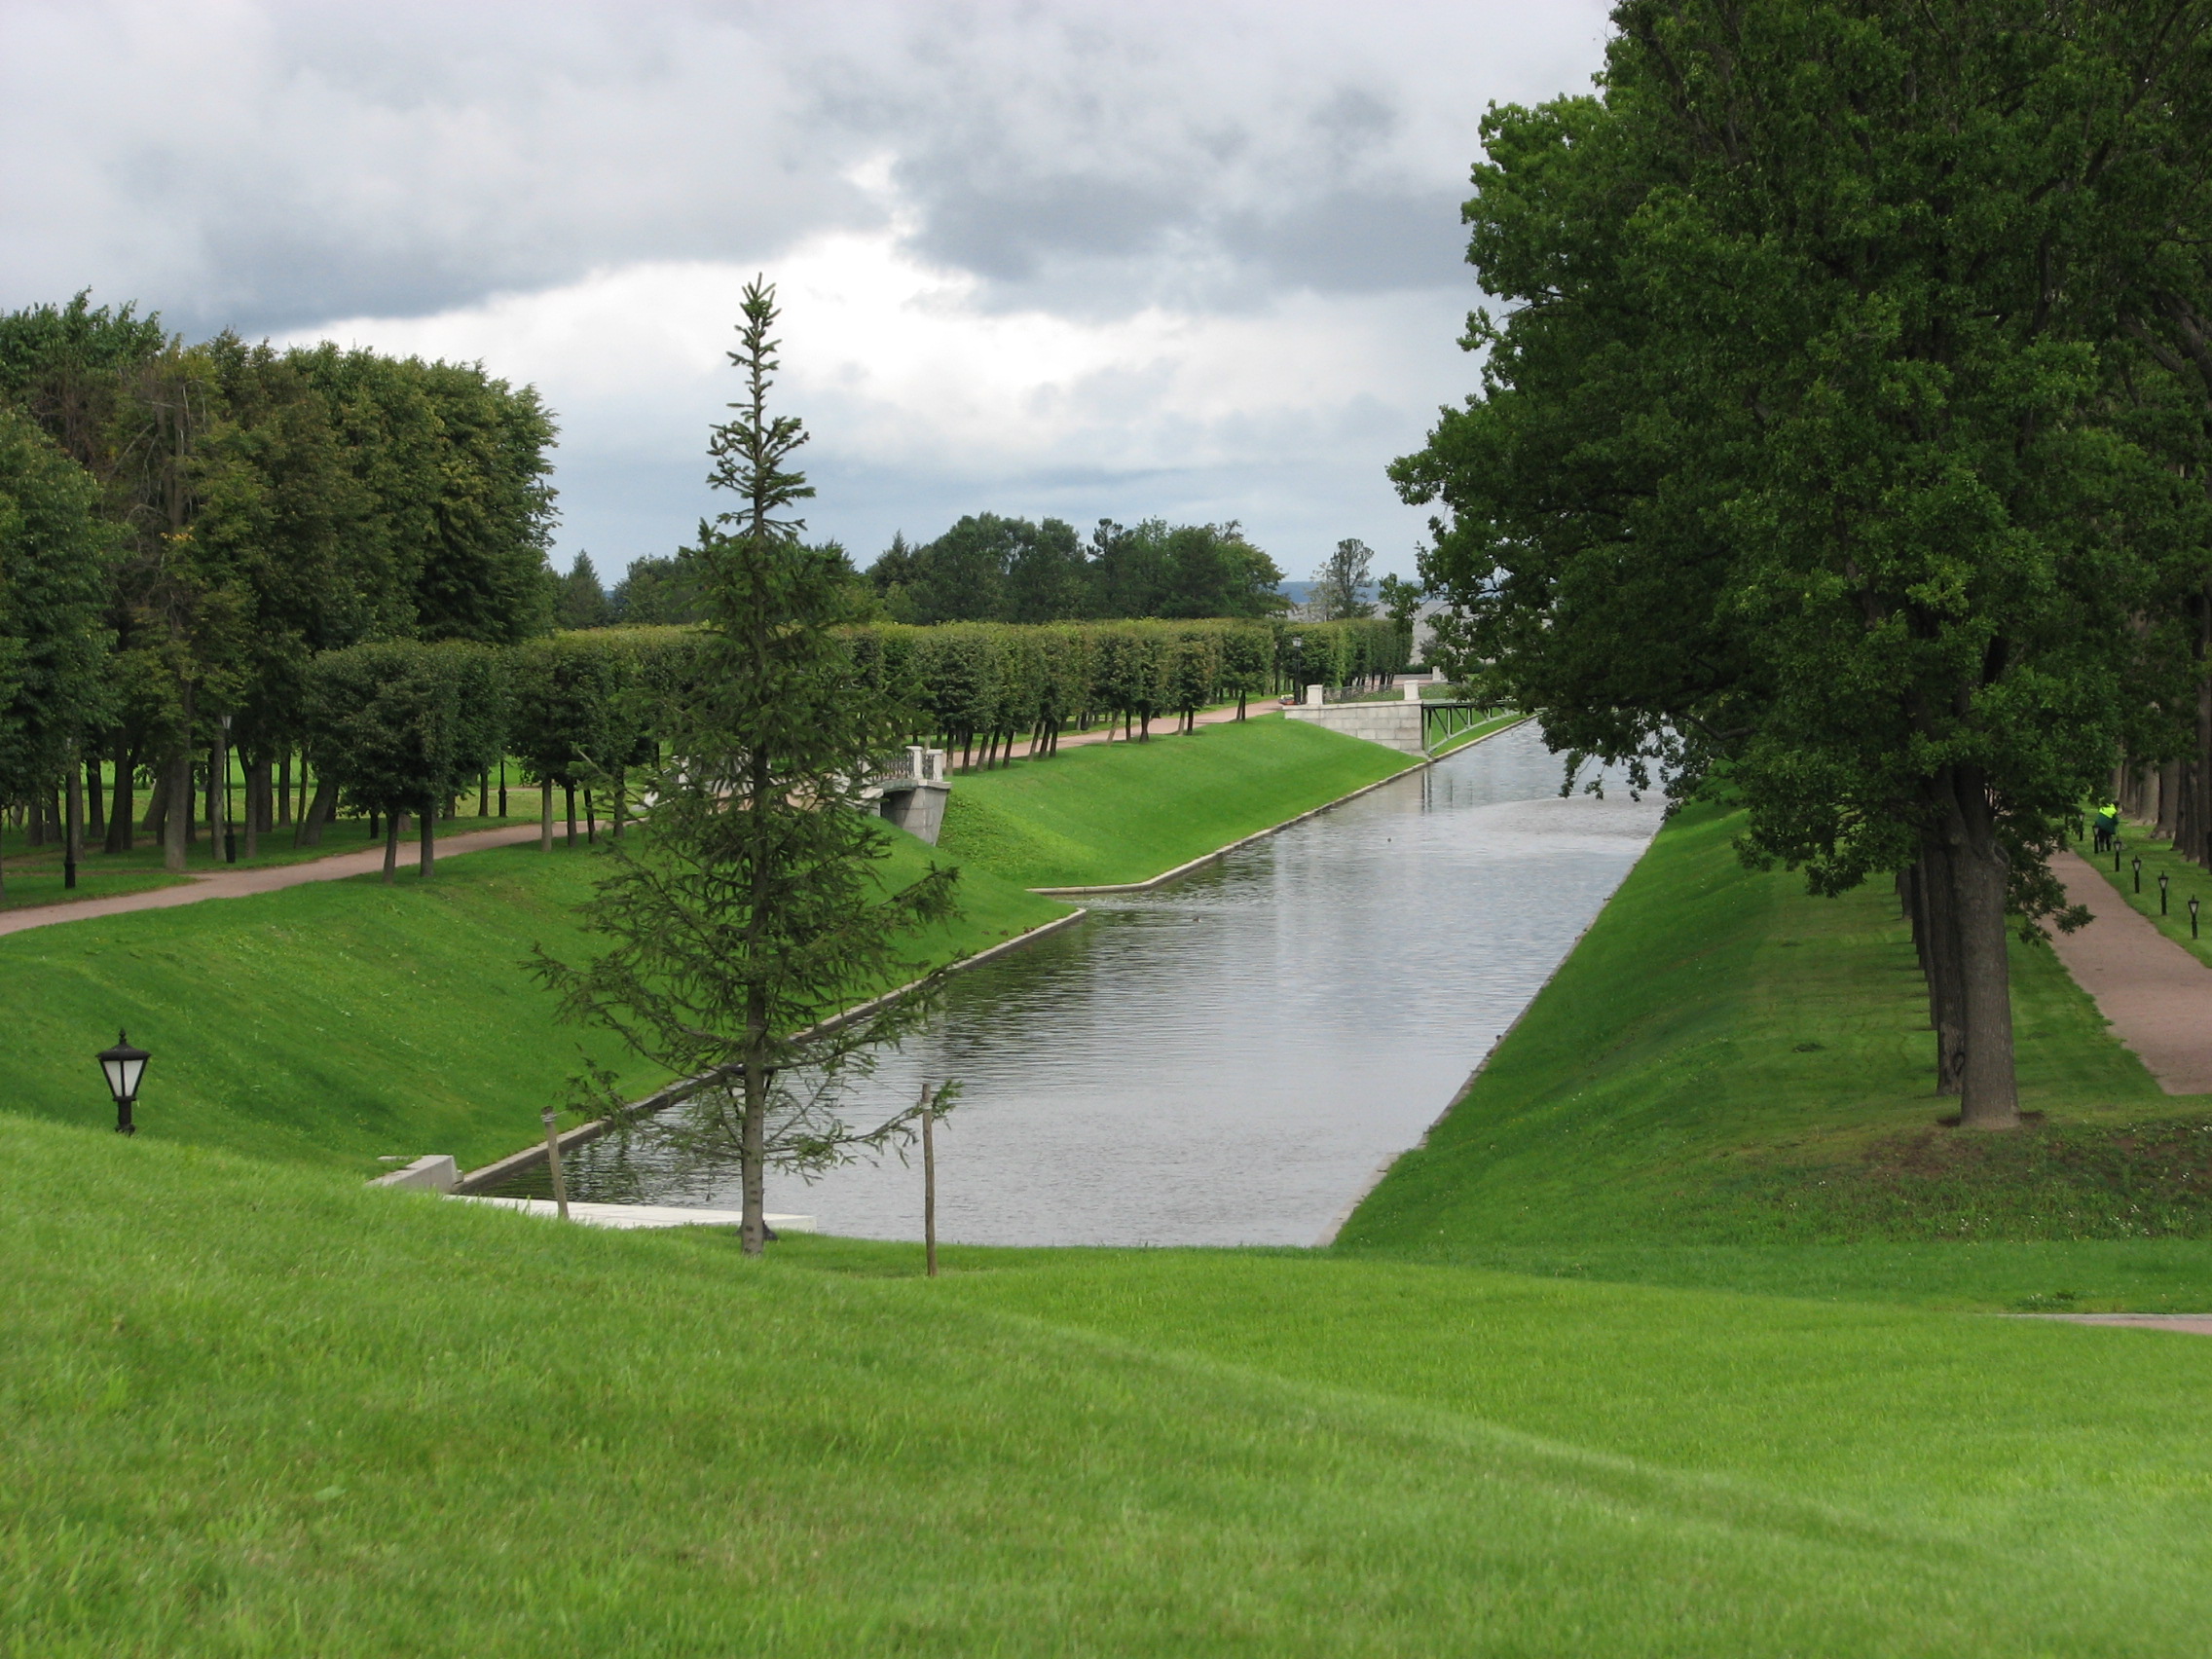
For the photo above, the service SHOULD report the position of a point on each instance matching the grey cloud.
(269, 164)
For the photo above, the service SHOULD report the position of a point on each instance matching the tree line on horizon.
(1843, 448)
(992, 568)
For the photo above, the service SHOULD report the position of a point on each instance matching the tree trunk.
(1937, 927)
(176, 816)
(1989, 1091)
(2169, 799)
(96, 813)
(310, 831)
(73, 831)
(257, 776)
(390, 846)
(176, 812)
(484, 793)
(156, 808)
(591, 821)
(283, 790)
(753, 1156)
(546, 818)
(621, 799)
(122, 800)
(568, 792)
(430, 842)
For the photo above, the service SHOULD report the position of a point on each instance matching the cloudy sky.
(1199, 260)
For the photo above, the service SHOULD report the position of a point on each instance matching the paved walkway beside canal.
(2157, 996)
(239, 883)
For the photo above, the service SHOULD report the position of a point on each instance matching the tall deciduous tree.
(752, 912)
(1808, 444)
(1341, 585)
(54, 553)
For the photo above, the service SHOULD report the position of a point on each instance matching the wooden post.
(929, 1184)
(551, 1120)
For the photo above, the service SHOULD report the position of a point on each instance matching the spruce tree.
(749, 916)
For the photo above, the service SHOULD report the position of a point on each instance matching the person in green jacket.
(2108, 827)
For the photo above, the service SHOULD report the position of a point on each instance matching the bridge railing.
(1441, 721)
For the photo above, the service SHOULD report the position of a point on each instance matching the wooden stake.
(929, 1184)
(550, 1118)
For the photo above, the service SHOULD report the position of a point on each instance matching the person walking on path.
(2106, 827)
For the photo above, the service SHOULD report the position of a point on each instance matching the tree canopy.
(1818, 446)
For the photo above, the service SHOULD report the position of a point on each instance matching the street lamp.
(2137, 862)
(124, 1066)
(2193, 915)
(2161, 893)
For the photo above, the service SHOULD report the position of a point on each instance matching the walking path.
(2157, 996)
(239, 883)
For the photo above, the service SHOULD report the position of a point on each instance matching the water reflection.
(1229, 1059)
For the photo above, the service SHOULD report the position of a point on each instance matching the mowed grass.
(1730, 1083)
(1107, 814)
(343, 1022)
(255, 1410)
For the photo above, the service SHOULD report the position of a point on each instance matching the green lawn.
(258, 1410)
(341, 1021)
(1729, 1082)
(1114, 813)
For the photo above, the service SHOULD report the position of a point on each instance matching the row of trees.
(186, 529)
(404, 727)
(1846, 441)
(396, 729)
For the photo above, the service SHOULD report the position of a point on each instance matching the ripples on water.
(1229, 1059)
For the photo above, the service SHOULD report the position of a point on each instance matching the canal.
(1228, 1059)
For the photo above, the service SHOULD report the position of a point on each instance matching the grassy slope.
(1111, 813)
(1730, 1081)
(380, 1423)
(343, 1021)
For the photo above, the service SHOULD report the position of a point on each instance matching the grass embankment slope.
(258, 1410)
(1729, 1082)
(340, 1022)
(1112, 813)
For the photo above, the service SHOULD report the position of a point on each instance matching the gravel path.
(2157, 996)
(238, 883)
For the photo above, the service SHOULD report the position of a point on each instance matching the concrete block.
(436, 1173)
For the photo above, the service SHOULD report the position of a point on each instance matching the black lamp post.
(2137, 862)
(2161, 893)
(2193, 915)
(124, 1066)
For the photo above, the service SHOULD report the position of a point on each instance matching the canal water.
(1228, 1059)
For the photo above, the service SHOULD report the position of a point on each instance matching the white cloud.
(903, 373)
(1079, 256)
